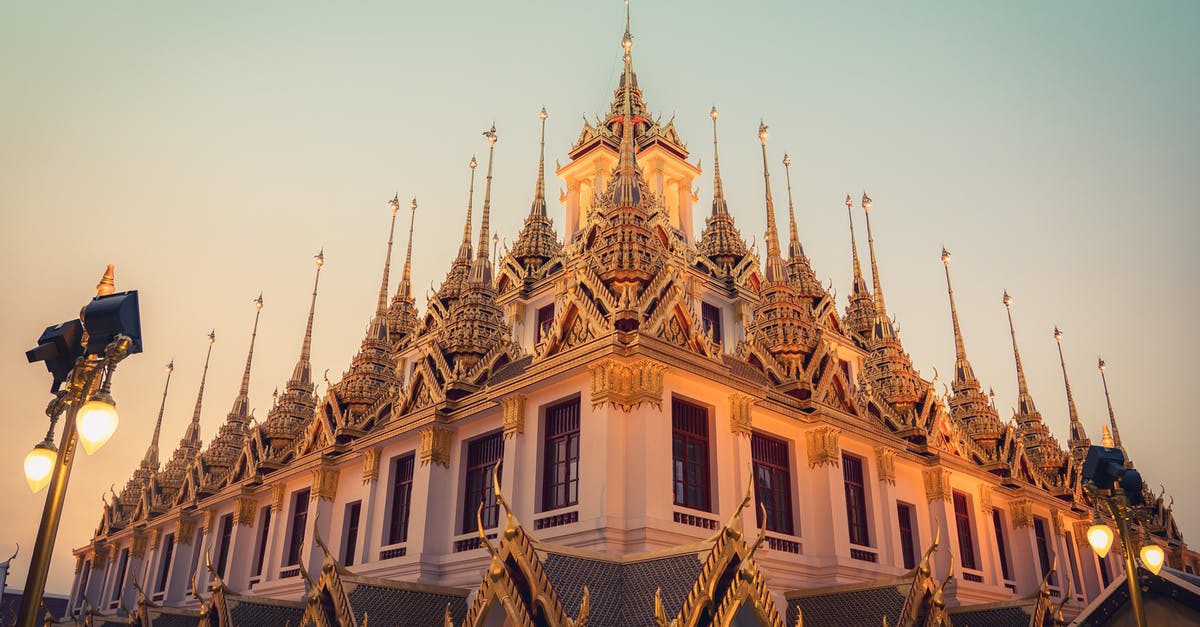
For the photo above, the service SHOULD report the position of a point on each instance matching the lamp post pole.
(1121, 513)
(83, 383)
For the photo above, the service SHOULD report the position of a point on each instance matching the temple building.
(625, 418)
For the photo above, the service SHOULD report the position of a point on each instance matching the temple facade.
(631, 420)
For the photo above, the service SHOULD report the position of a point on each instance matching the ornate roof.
(537, 242)
(295, 407)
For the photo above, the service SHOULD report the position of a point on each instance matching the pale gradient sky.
(210, 150)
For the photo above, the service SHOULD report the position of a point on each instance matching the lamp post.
(1106, 467)
(83, 353)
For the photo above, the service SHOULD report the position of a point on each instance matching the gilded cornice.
(514, 415)
(1021, 511)
(937, 484)
(370, 470)
(435, 446)
(244, 510)
(885, 462)
(627, 386)
(740, 421)
(823, 447)
(185, 530)
(278, 492)
(324, 483)
(139, 545)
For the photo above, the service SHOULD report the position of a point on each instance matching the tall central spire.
(627, 192)
(775, 271)
(718, 205)
(192, 435)
(381, 306)
(405, 289)
(799, 267)
(860, 313)
(464, 249)
(240, 411)
(1112, 416)
(538, 207)
(963, 373)
(302, 373)
(150, 461)
(481, 270)
(1079, 441)
(866, 205)
(1024, 400)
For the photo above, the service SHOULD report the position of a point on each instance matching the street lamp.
(82, 353)
(1119, 489)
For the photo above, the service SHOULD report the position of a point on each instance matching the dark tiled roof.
(164, 619)
(399, 607)
(1186, 576)
(745, 370)
(248, 613)
(996, 617)
(856, 608)
(510, 370)
(622, 594)
(10, 605)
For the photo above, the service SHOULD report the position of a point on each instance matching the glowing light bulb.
(1100, 537)
(1152, 557)
(38, 465)
(96, 422)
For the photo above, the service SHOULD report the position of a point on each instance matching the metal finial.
(394, 203)
(258, 302)
(945, 256)
(762, 132)
(713, 113)
(107, 284)
(1057, 334)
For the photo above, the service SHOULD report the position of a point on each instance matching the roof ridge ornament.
(775, 271)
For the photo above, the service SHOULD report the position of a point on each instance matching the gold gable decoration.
(244, 510)
(514, 415)
(370, 471)
(627, 386)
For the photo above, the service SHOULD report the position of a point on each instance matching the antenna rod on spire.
(306, 347)
(193, 432)
(859, 284)
(539, 193)
(464, 250)
(960, 351)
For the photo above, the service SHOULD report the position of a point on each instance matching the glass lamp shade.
(96, 422)
(1152, 557)
(39, 464)
(1101, 538)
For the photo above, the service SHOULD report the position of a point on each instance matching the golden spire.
(718, 204)
(106, 285)
(627, 192)
(1106, 438)
(302, 374)
(1024, 401)
(464, 249)
(963, 373)
(539, 193)
(775, 270)
(795, 249)
(150, 461)
(192, 436)
(1112, 416)
(1079, 441)
(878, 292)
(860, 285)
(241, 403)
(481, 270)
(405, 289)
(381, 306)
